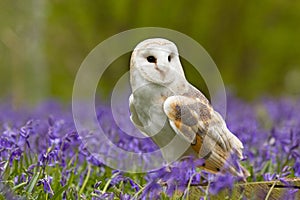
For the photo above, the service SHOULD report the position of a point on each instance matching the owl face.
(157, 61)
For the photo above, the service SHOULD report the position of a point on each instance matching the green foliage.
(255, 44)
(30, 189)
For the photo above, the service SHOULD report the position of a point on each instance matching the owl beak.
(162, 67)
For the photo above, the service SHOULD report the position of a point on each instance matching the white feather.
(163, 103)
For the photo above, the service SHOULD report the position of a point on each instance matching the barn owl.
(164, 104)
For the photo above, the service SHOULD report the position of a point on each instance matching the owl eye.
(151, 59)
(169, 58)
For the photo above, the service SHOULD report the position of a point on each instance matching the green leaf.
(57, 194)
(6, 172)
(33, 182)
(86, 179)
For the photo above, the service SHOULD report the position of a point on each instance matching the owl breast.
(148, 100)
(149, 104)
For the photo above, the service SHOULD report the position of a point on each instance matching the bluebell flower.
(46, 182)
(269, 176)
(106, 196)
(222, 181)
(125, 197)
(271, 148)
(151, 191)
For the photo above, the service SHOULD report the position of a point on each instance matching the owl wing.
(196, 122)
(134, 116)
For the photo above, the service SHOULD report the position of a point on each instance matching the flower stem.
(270, 191)
(86, 179)
(108, 182)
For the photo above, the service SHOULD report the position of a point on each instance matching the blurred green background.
(255, 44)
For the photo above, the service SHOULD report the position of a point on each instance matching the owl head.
(156, 60)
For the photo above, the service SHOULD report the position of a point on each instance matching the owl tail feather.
(219, 161)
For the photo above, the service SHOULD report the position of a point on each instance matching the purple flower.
(269, 177)
(290, 194)
(20, 179)
(125, 197)
(97, 184)
(117, 179)
(221, 182)
(151, 191)
(107, 196)
(15, 155)
(297, 168)
(65, 175)
(48, 158)
(175, 176)
(133, 184)
(94, 161)
(269, 130)
(2, 164)
(46, 184)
